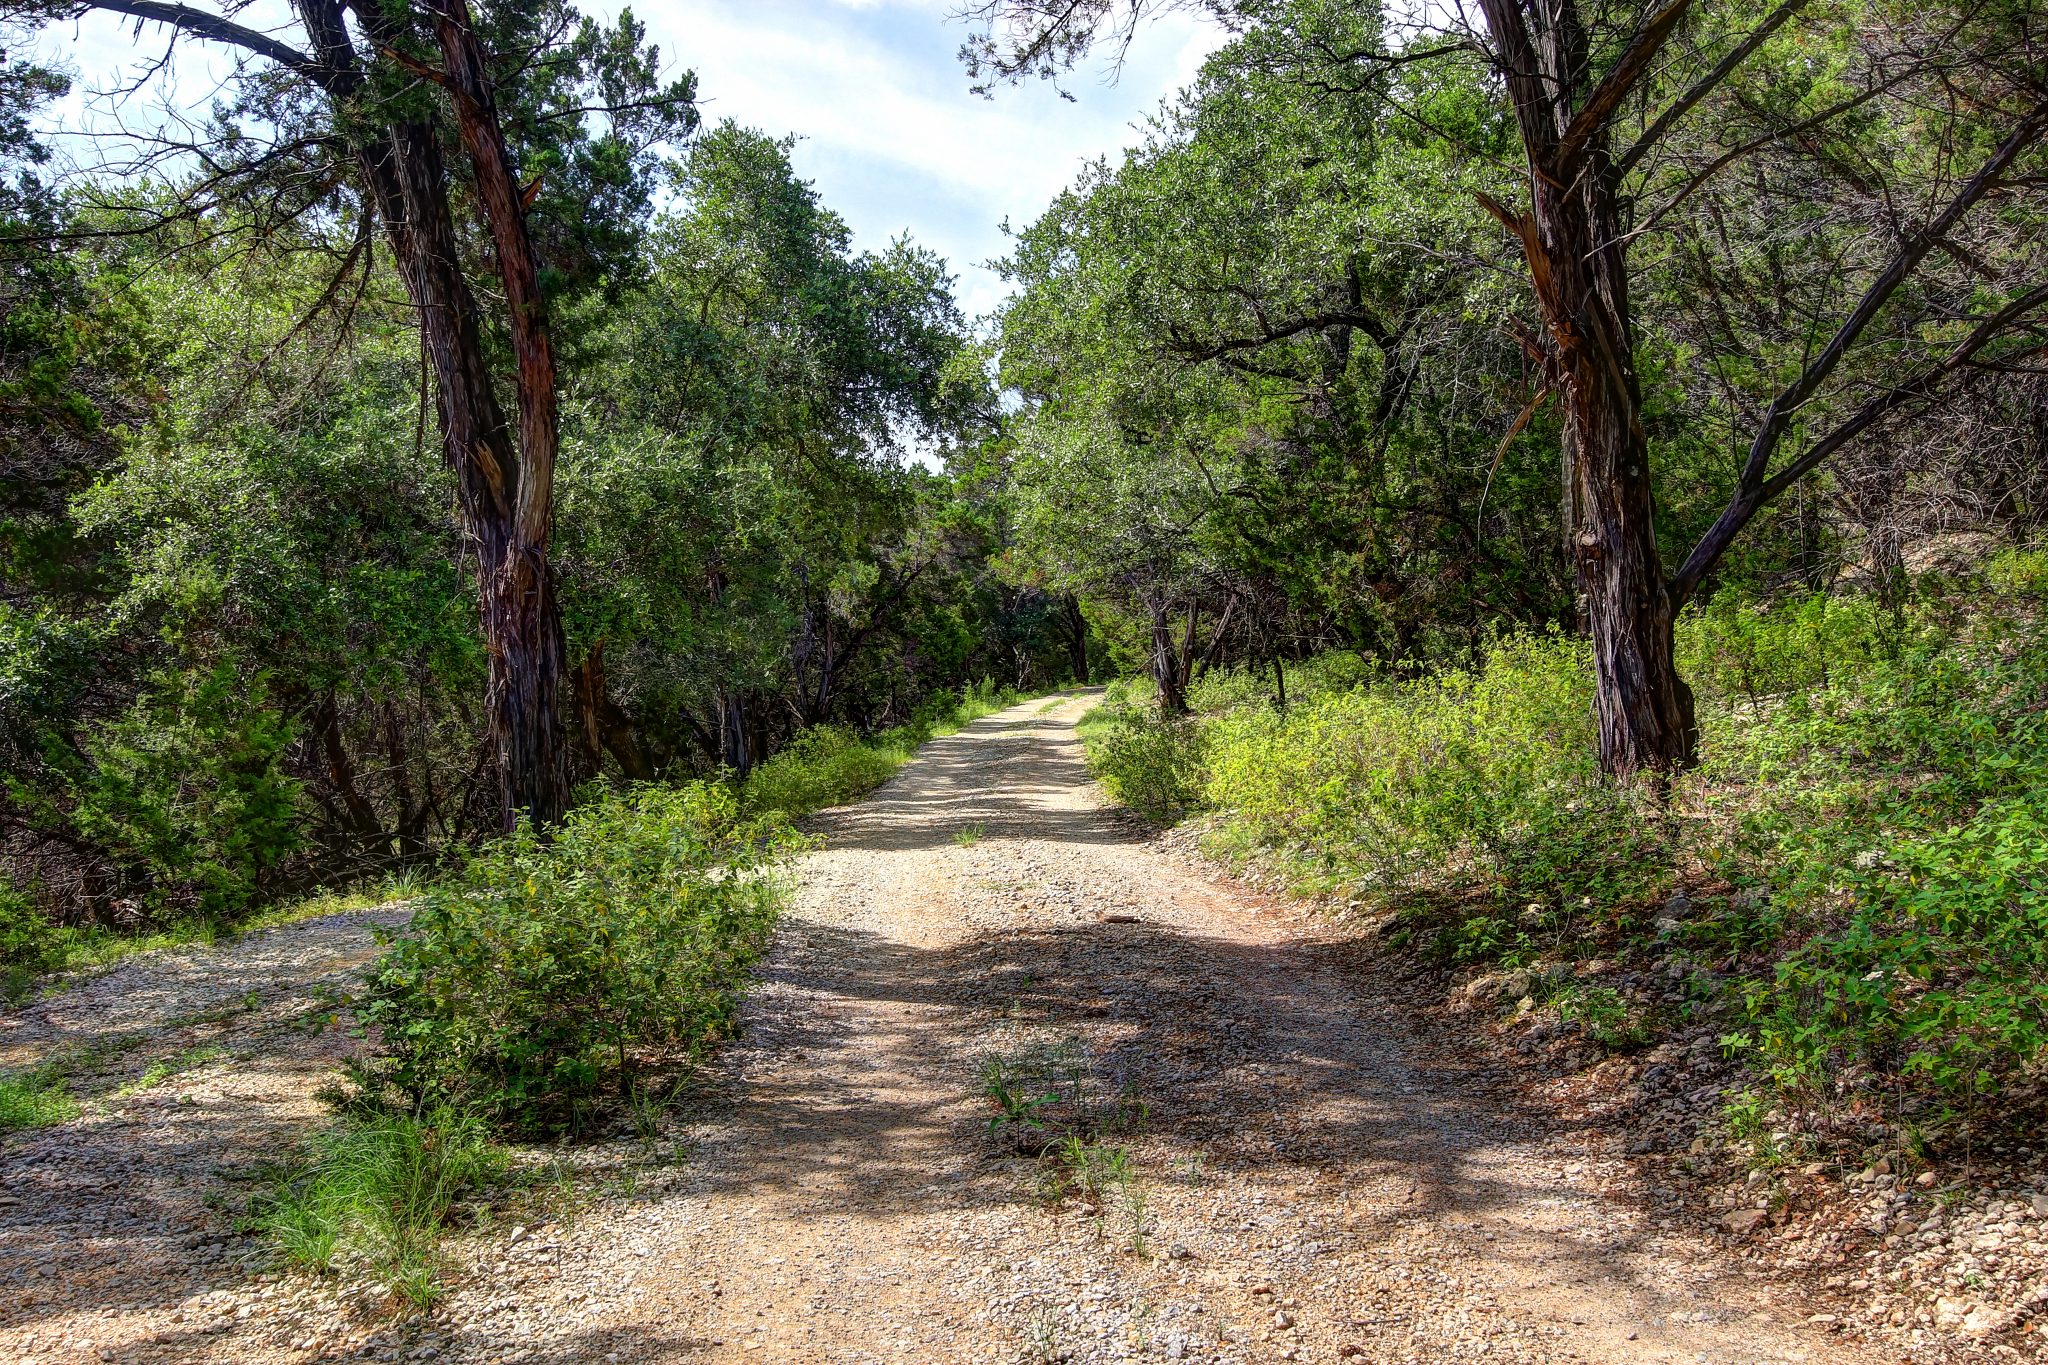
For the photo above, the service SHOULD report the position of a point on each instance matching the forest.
(1553, 482)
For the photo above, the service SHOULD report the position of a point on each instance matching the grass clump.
(378, 1192)
(37, 1097)
(549, 981)
(163, 1068)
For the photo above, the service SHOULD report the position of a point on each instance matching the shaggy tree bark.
(1575, 243)
(1572, 241)
(505, 479)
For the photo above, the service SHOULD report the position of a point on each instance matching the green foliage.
(1145, 759)
(188, 793)
(37, 1097)
(549, 978)
(830, 765)
(1487, 774)
(1601, 1013)
(1903, 816)
(29, 944)
(823, 766)
(378, 1192)
(1754, 650)
(1873, 800)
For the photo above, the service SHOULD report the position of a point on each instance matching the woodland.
(1566, 475)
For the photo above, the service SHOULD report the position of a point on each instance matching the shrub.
(548, 977)
(1737, 648)
(29, 944)
(829, 765)
(823, 766)
(377, 1192)
(1152, 763)
(187, 793)
(1395, 785)
(1903, 820)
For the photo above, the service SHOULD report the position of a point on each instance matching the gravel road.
(1269, 1164)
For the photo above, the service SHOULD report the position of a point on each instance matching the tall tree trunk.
(736, 750)
(1166, 671)
(1573, 244)
(505, 484)
(1077, 638)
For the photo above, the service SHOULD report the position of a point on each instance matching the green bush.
(1740, 649)
(1401, 787)
(823, 766)
(548, 978)
(1150, 762)
(377, 1192)
(187, 793)
(1901, 823)
(29, 944)
(1864, 836)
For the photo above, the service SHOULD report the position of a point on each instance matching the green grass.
(39, 1097)
(967, 836)
(163, 1068)
(55, 951)
(830, 765)
(377, 1194)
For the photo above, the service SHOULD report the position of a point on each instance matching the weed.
(379, 1193)
(967, 836)
(1602, 1014)
(1137, 1208)
(1076, 1166)
(1042, 1344)
(163, 1068)
(38, 1097)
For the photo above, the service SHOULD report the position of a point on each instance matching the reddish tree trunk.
(1577, 262)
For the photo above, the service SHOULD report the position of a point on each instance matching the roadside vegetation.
(1850, 881)
(1570, 478)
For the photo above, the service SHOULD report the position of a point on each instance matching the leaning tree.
(507, 151)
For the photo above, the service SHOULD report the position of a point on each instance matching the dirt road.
(1266, 1165)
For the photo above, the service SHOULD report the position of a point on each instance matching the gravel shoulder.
(1303, 1176)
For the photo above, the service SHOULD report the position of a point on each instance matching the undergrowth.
(829, 765)
(1854, 871)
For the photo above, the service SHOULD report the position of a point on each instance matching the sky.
(889, 132)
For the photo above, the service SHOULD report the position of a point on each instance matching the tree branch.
(1601, 104)
(1705, 85)
(216, 27)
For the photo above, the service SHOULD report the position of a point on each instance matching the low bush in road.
(547, 981)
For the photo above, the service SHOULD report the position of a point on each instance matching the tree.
(1600, 95)
(357, 111)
